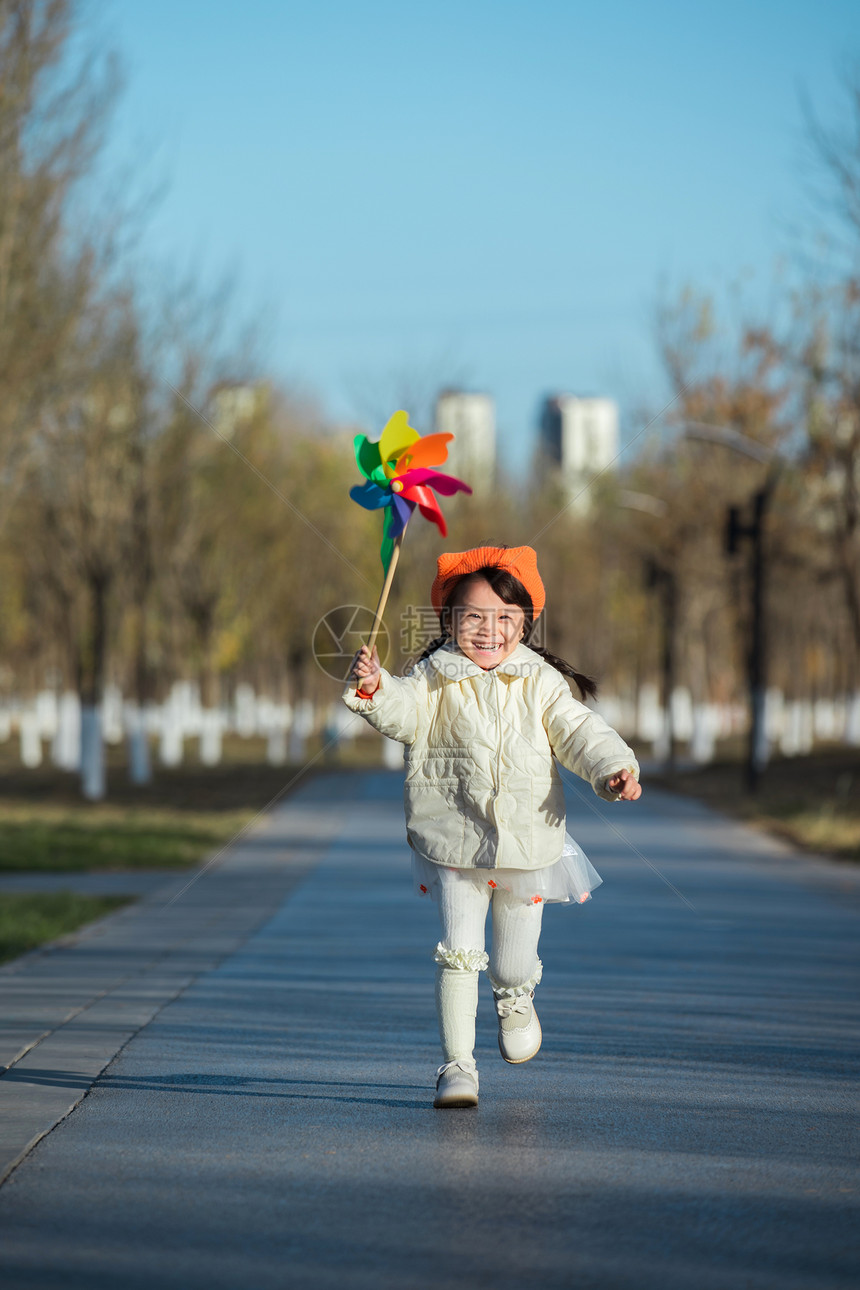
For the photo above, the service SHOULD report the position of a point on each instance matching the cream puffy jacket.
(482, 789)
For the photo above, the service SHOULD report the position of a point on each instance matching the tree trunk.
(139, 760)
(92, 689)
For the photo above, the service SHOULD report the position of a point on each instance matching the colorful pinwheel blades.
(399, 476)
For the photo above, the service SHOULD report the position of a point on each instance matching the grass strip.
(59, 839)
(811, 801)
(29, 919)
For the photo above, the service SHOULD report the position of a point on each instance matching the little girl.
(482, 716)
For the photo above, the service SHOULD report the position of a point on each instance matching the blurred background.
(616, 252)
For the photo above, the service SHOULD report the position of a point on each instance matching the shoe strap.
(520, 1003)
(464, 1064)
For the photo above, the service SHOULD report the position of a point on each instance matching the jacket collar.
(451, 664)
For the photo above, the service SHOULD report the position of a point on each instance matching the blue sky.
(477, 193)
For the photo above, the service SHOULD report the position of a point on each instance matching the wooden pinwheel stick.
(386, 587)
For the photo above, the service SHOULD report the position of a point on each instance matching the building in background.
(578, 440)
(232, 402)
(471, 419)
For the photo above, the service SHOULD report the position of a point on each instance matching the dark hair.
(512, 592)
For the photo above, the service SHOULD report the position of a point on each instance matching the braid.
(587, 687)
(431, 648)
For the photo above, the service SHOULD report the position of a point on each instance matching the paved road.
(689, 1122)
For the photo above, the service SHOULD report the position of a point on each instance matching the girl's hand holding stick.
(366, 668)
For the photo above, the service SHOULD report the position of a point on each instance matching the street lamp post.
(752, 531)
(737, 531)
(661, 578)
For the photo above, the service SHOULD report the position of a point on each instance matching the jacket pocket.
(513, 812)
(435, 819)
(548, 804)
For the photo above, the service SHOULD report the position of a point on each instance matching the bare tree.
(53, 110)
(825, 343)
(79, 489)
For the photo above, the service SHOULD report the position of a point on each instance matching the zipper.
(498, 780)
(498, 735)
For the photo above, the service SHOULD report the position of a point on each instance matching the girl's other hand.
(625, 785)
(366, 668)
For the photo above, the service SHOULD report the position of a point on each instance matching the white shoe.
(456, 1085)
(519, 1029)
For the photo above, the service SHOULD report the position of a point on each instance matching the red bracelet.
(361, 694)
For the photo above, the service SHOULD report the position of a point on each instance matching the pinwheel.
(399, 475)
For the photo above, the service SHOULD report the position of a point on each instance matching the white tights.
(514, 966)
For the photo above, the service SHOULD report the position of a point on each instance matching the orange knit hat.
(521, 561)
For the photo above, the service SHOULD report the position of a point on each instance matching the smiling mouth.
(488, 649)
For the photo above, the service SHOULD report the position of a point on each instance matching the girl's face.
(486, 629)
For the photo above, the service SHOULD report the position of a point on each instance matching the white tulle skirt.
(570, 881)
